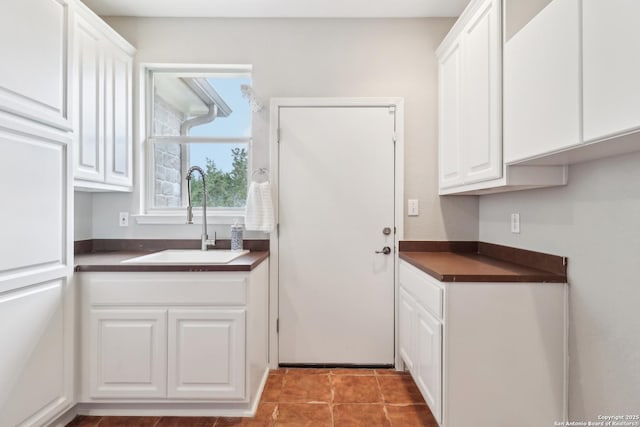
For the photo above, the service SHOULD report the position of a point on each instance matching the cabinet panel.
(481, 83)
(542, 84)
(128, 352)
(89, 144)
(34, 176)
(33, 372)
(428, 361)
(422, 287)
(206, 353)
(611, 66)
(406, 328)
(449, 117)
(35, 43)
(118, 126)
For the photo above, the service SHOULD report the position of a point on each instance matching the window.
(197, 118)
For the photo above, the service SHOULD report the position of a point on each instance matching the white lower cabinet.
(485, 354)
(192, 338)
(127, 350)
(197, 337)
(428, 369)
(406, 318)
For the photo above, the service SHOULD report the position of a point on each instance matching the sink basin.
(187, 256)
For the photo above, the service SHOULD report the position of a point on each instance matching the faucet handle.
(189, 215)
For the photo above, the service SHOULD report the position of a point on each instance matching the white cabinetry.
(34, 47)
(485, 353)
(428, 352)
(174, 337)
(470, 109)
(128, 349)
(198, 337)
(572, 92)
(542, 83)
(406, 332)
(36, 310)
(469, 61)
(103, 105)
(420, 334)
(611, 73)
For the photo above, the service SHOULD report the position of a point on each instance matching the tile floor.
(313, 398)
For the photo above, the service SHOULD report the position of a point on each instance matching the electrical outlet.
(124, 219)
(413, 207)
(515, 223)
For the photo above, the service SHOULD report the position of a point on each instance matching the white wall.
(83, 220)
(313, 58)
(595, 221)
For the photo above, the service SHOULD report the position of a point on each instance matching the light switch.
(413, 207)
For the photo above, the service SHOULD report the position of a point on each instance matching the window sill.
(174, 218)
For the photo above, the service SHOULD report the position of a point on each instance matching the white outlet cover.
(123, 219)
(515, 223)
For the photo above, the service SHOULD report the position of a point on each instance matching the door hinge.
(278, 135)
(278, 229)
(395, 137)
(277, 326)
(395, 231)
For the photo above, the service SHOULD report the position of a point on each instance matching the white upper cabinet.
(89, 114)
(118, 115)
(33, 78)
(542, 83)
(102, 105)
(469, 61)
(449, 106)
(571, 85)
(470, 110)
(481, 89)
(611, 72)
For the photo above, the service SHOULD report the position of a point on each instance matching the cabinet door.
(481, 134)
(33, 371)
(542, 84)
(34, 51)
(449, 93)
(118, 127)
(428, 369)
(127, 351)
(406, 328)
(611, 66)
(89, 114)
(206, 354)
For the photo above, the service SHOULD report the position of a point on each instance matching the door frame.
(274, 285)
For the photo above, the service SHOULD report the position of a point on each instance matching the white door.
(336, 196)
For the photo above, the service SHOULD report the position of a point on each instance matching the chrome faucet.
(204, 239)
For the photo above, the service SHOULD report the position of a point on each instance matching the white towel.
(259, 211)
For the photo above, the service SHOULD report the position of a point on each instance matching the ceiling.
(279, 8)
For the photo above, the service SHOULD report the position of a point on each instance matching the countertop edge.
(237, 265)
(544, 277)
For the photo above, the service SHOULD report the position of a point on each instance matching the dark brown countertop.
(110, 262)
(106, 255)
(483, 262)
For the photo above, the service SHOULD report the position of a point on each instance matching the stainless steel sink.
(187, 256)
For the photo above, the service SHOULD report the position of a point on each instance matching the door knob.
(386, 250)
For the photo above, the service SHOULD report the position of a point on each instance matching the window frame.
(148, 214)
